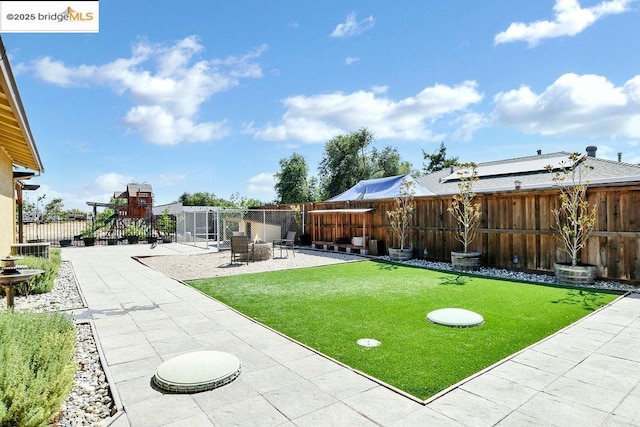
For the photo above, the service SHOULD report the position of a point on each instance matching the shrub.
(42, 283)
(36, 367)
(135, 231)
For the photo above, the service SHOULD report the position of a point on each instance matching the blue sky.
(209, 95)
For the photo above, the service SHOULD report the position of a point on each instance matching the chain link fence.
(212, 227)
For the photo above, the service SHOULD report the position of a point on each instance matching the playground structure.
(131, 218)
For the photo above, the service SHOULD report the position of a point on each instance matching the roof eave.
(13, 96)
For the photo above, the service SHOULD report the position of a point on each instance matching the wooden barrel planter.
(577, 275)
(397, 254)
(465, 261)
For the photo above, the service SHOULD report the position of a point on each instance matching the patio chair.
(286, 243)
(239, 248)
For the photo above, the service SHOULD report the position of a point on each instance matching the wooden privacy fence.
(513, 223)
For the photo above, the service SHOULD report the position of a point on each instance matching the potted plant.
(467, 213)
(88, 236)
(133, 233)
(400, 217)
(167, 226)
(574, 219)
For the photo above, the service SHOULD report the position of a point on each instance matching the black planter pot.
(112, 242)
(152, 239)
(65, 243)
(89, 241)
(133, 240)
(305, 239)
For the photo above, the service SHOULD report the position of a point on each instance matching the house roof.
(531, 172)
(16, 139)
(379, 188)
(134, 188)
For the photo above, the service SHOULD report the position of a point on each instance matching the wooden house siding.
(512, 223)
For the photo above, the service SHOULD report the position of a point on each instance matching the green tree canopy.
(387, 162)
(349, 159)
(291, 182)
(202, 199)
(438, 160)
(53, 210)
(210, 199)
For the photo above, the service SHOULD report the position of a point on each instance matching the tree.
(315, 192)
(438, 160)
(400, 217)
(203, 199)
(345, 162)
(464, 208)
(387, 162)
(291, 182)
(242, 202)
(53, 210)
(575, 218)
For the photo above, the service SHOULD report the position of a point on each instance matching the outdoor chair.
(286, 243)
(239, 248)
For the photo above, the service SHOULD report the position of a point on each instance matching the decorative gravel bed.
(90, 401)
(518, 275)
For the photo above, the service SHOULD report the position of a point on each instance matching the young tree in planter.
(464, 207)
(401, 216)
(575, 218)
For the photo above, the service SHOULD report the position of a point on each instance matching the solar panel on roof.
(525, 166)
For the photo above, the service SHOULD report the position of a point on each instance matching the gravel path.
(214, 264)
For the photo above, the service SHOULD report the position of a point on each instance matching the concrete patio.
(587, 374)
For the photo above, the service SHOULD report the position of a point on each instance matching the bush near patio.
(42, 283)
(36, 367)
(329, 308)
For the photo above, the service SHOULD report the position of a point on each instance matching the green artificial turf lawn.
(329, 308)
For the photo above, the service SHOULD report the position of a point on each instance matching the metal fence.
(212, 227)
(53, 232)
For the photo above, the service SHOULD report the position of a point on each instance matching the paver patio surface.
(587, 374)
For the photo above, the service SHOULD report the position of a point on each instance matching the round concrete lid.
(458, 317)
(197, 371)
(368, 342)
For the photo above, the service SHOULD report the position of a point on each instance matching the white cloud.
(166, 83)
(467, 125)
(351, 27)
(349, 60)
(163, 128)
(318, 118)
(170, 180)
(112, 182)
(582, 105)
(570, 19)
(262, 186)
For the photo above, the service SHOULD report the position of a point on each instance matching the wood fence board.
(512, 222)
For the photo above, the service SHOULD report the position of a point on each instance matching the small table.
(260, 251)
